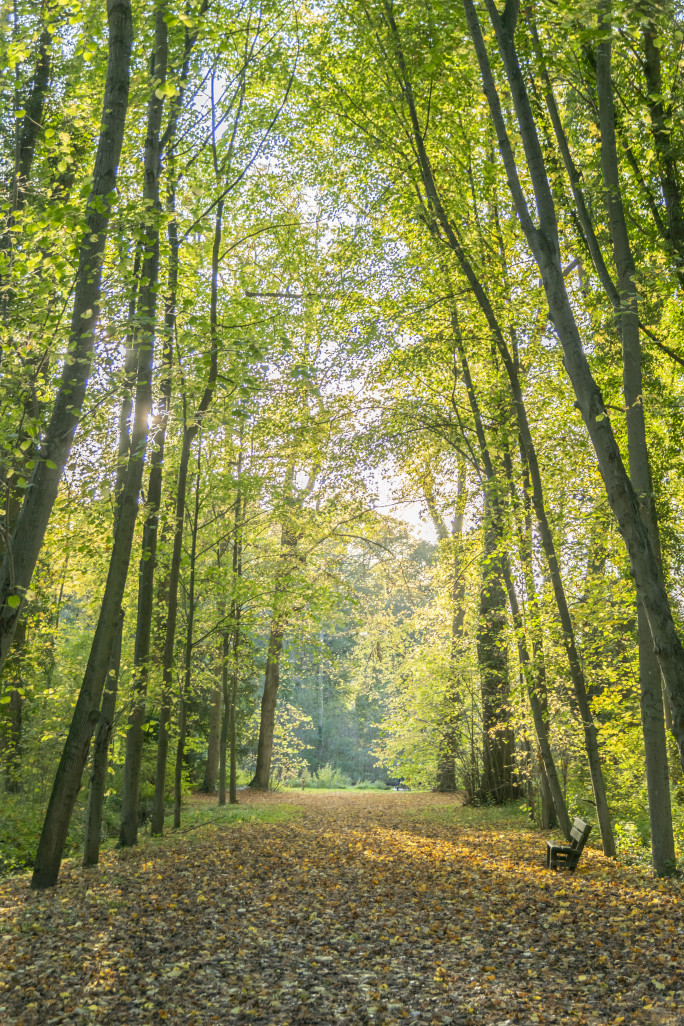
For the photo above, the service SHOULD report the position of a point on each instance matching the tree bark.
(103, 732)
(449, 744)
(269, 700)
(213, 741)
(533, 672)
(128, 832)
(236, 615)
(189, 432)
(19, 561)
(652, 713)
(225, 728)
(543, 241)
(185, 686)
(492, 657)
(68, 778)
(98, 776)
(446, 226)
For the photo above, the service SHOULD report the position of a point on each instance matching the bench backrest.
(579, 834)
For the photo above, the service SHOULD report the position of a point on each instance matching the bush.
(327, 777)
(371, 785)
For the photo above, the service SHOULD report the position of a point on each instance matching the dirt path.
(357, 911)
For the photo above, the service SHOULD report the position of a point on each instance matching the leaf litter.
(358, 910)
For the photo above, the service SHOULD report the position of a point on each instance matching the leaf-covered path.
(358, 910)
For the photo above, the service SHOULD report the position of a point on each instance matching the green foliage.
(341, 414)
(328, 778)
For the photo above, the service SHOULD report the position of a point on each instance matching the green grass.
(480, 817)
(20, 828)
(198, 817)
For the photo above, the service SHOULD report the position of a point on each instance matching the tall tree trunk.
(232, 711)
(231, 643)
(159, 803)
(128, 832)
(449, 741)
(185, 686)
(269, 701)
(544, 244)
(103, 732)
(27, 539)
(533, 673)
(289, 539)
(31, 124)
(662, 129)
(103, 736)
(74, 756)
(213, 741)
(652, 713)
(553, 806)
(236, 615)
(189, 432)
(492, 657)
(444, 223)
(225, 730)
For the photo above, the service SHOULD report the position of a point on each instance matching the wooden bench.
(566, 856)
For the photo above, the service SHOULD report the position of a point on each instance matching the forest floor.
(349, 908)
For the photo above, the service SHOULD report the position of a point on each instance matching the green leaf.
(14, 601)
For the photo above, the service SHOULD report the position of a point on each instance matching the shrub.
(327, 777)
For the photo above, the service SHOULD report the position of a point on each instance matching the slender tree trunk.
(128, 833)
(31, 124)
(225, 730)
(543, 241)
(189, 432)
(447, 228)
(269, 701)
(551, 794)
(232, 712)
(236, 615)
(213, 742)
(27, 539)
(103, 732)
(652, 713)
(548, 810)
(536, 685)
(234, 682)
(185, 686)
(103, 736)
(128, 830)
(157, 819)
(449, 744)
(74, 756)
(288, 554)
(492, 657)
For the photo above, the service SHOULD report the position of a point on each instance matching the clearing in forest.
(355, 908)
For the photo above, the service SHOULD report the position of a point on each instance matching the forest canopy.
(341, 440)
